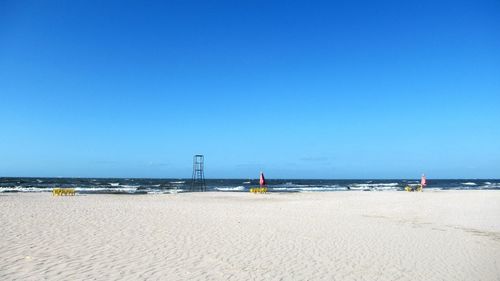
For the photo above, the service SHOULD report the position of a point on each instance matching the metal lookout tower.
(198, 180)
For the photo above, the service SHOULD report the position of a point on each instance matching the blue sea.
(158, 186)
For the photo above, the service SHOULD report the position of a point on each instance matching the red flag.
(262, 179)
(423, 181)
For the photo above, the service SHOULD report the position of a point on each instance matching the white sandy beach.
(442, 235)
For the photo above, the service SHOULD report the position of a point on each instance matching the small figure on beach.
(423, 183)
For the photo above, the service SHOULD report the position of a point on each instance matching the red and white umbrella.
(262, 179)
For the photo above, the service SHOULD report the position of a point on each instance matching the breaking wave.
(236, 188)
(166, 186)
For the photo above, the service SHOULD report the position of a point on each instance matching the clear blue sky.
(330, 89)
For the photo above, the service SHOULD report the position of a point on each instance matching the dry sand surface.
(442, 235)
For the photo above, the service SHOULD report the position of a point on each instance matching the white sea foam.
(469, 183)
(490, 185)
(153, 192)
(25, 189)
(291, 184)
(124, 189)
(374, 186)
(236, 188)
(325, 188)
(167, 191)
(114, 183)
(306, 188)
